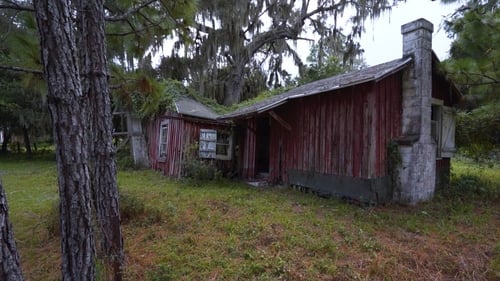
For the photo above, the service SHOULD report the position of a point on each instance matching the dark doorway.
(262, 146)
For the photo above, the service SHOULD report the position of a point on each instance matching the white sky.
(382, 41)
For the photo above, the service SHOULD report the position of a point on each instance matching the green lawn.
(228, 231)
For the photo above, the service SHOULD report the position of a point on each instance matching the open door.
(262, 147)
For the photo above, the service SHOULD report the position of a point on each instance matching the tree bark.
(10, 269)
(67, 107)
(96, 87)
(27, 143)
(234, 85)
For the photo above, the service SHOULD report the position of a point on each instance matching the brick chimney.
(417, 148)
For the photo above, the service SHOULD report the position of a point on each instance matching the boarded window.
(163, 141)
(215, 144)
(208, 143)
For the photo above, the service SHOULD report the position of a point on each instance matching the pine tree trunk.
(27, 143)
(68, 112)
(10, 269)
(96, 87)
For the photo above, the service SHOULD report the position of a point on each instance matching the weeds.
(228, 231)
(134, 210)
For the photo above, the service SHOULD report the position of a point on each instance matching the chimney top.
(417, 24)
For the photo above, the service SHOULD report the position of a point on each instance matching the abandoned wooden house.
(191, 125)
(336, 135)
(382, 133)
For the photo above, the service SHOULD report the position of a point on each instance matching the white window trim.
(164, 129)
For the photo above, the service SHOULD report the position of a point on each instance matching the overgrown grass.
(223, 230)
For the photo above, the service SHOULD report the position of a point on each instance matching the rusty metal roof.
(190, 107)
(373, 73)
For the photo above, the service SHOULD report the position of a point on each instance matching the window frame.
(207, 144)
(163, 140)
(211, 141)
(227, 142)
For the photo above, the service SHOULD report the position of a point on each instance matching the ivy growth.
(393, 163)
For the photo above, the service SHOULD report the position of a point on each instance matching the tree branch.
(131, 11)
(132, 31)
(14, 5)
(21, 69)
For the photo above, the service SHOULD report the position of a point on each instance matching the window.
(224, 145)
(208, 143)
(443, 129)
(163, 141)
(215, 144)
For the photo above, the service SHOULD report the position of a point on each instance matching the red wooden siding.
(248, 150)
(343, 132)
(182, 132)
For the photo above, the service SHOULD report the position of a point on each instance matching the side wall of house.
(343, 133)
(176, 137)
(334, 143)
(182, 132)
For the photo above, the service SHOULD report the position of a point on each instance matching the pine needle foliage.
(144, 95)
(475, 52)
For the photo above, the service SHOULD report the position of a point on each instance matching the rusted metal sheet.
(343, 133)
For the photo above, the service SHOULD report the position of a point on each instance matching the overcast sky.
(383, 41)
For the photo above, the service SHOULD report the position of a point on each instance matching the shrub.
(196, 168)
(472, 186)
(124, 160)
(478, 131)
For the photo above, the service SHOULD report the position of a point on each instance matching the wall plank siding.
(344, 132)
(182, 132)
